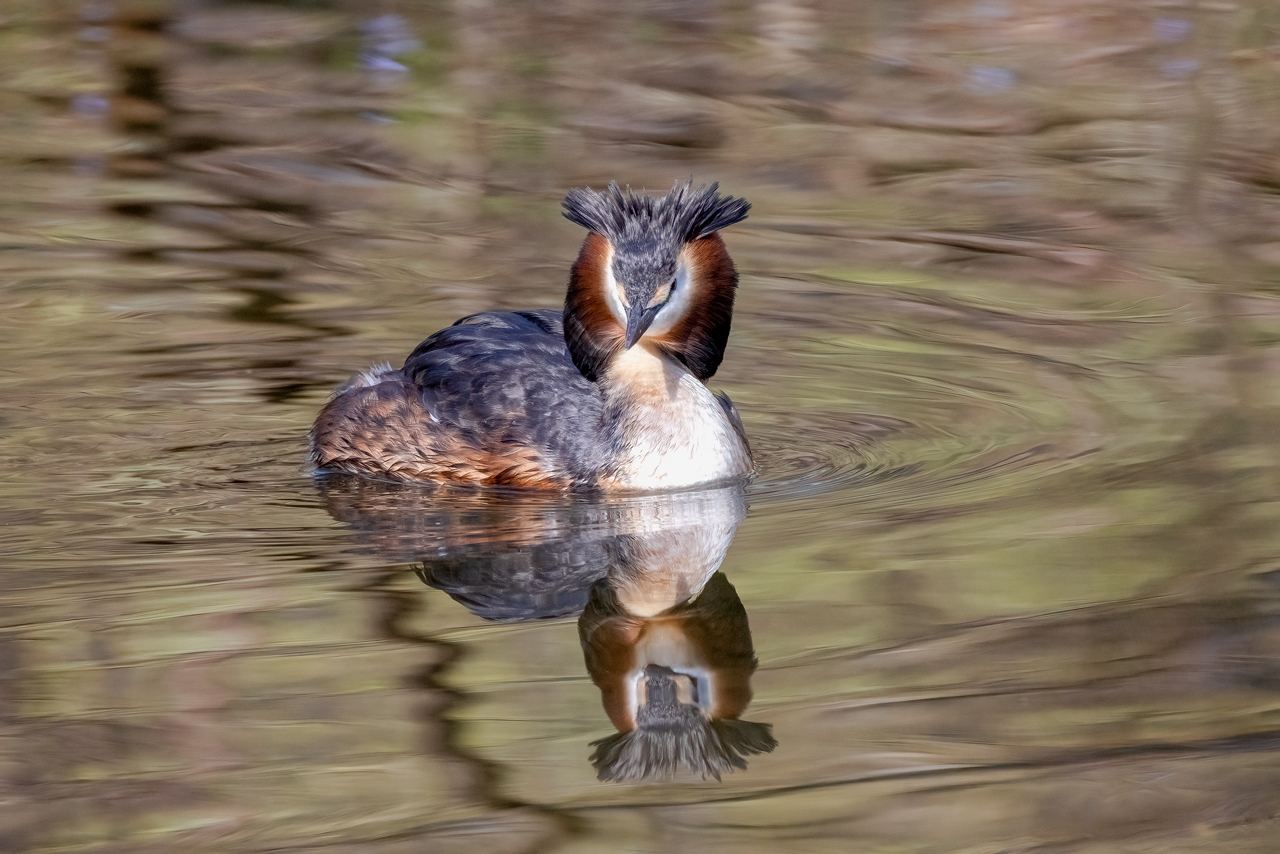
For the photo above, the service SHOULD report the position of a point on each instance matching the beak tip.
(636, 326)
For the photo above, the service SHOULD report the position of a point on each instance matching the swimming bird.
(608, 394)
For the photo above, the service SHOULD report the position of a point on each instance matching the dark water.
(1007, 349)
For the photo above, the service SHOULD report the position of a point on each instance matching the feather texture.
(608, 393)
(625, 217)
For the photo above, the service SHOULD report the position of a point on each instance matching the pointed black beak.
(638, 321)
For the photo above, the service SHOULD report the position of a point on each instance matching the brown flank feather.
(378, 430)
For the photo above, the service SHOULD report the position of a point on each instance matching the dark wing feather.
(732, 412)
(507, 377)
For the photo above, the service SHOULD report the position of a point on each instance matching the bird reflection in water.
(674, 675)
(664, 634)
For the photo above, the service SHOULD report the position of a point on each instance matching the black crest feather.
(624, 216)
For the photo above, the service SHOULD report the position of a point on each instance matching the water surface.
(1005, 347)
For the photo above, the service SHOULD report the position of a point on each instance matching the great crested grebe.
(608, 394)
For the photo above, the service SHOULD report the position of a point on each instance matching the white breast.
(670, 429)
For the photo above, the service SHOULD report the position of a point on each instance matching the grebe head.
(653, 269)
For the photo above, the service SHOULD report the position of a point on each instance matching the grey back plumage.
(507, 378)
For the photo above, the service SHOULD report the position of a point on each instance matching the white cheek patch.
(613, 293)
(677, 306)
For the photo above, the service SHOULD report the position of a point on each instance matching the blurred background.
(1007, 348)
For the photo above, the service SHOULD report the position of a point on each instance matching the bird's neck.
(644, 375)
(666, 428)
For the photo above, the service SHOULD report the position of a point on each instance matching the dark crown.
(625, 217)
